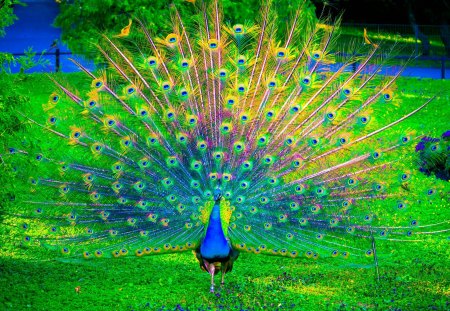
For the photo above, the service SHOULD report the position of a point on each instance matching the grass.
(409, 281)
(413, 276)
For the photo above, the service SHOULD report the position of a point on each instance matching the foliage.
(7, 16)
(434, 156)
(26, 61)
(82, 21)
(11, 99)
(6, 61)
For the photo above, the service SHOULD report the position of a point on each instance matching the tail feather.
(289, 130)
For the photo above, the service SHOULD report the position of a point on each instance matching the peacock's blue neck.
(215, 244)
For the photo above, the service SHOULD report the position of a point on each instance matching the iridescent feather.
(222, 138)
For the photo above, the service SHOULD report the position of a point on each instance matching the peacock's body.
(220, 139)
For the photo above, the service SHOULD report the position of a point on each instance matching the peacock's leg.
(224, 270)
(211, 269)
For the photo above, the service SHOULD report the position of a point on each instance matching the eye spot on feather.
(166, 86)
(241, 61)
(213, 44)
(184, 64)
(306, 80)
(347, 92)
(317, 55)
(172, 39)
(152, 62)
(281, 53)
(400, 205)
(387, 96)
(363, 120)
(223, 73)
(238, 29)
(294, 109)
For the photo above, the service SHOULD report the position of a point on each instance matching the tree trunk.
(445, 37)
(418, 34)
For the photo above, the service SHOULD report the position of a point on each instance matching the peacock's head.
(217, 194)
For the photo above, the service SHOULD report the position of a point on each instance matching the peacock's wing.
(302, 140)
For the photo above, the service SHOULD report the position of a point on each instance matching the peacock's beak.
(217, 194)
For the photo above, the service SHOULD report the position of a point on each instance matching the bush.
(434, 156)
(82, 21)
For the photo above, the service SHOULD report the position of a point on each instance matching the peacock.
(220, 139)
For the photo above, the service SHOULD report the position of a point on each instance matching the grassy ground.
(413, 276)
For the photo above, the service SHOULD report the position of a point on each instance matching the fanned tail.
(305, 143)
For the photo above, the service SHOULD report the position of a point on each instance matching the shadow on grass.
(175, 282)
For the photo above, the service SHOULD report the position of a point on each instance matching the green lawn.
(413, 276)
